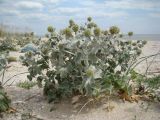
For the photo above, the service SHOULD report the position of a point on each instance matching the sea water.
(152, 37)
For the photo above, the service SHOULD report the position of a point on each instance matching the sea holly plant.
(82, 60)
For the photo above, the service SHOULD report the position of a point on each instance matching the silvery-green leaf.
(93, 72)
(88, 82)
(118, 68)
(63, 72)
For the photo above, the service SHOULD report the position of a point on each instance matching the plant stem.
(84, 105)
(13, 77)
(3, 74)
(141, 60)
(151, 63)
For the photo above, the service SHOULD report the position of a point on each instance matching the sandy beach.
(151, 48)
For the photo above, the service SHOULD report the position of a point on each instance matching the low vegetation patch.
(4, 99)
(26, 84)
(153, 87)
(83, 60)
(12, 59)
(12, 41)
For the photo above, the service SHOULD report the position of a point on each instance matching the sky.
(139, 16)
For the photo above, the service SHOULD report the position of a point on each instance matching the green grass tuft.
(27, 84)
(12, 59)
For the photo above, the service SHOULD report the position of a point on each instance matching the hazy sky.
(139, 16)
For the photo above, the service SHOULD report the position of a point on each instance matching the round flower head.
(97, 31)
(130, 34)
(114, 30)
(71, 23)
(75, 28)
(50, 29)
(67, 32)
(144, 42)
(91, 25)
(87, 33)
(89, 19)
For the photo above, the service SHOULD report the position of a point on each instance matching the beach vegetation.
(11, 59)
(130, 34)
(4, 99)
(87, 63)
(27, 84)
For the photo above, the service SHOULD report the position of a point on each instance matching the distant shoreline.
(148, 37)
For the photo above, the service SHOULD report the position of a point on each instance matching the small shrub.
(4, 101)
(26, 38)
(150, 86)
(153, 87)
(154, 82)
(7, 44)
(27, 84)
(130, 34)
(11, 59)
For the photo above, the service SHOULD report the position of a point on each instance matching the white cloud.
(88, 3)
(29, 5)
(50, 1)
(113, 14)
(33, 16)
(132, 4)
(68, 10)
(101, 14)
(123, 4)
(55, 1)
(10, 12)
(81, 12)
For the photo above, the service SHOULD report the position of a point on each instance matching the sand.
(151, 48)
(38, 107)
